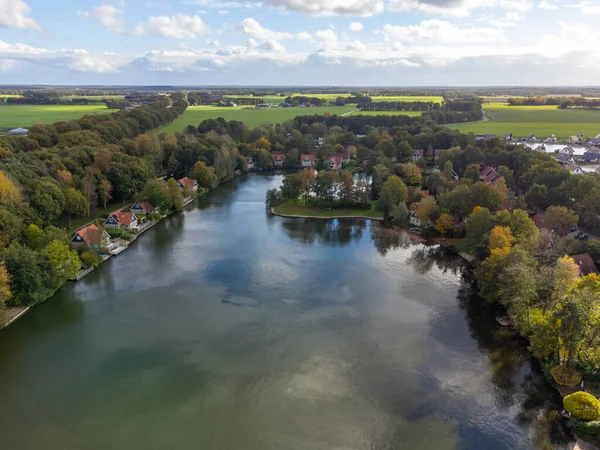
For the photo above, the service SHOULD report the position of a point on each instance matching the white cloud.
(356, 26)
(546, 5)
(304, 36)
(442, 31)
(107, 15)
(586, 7)
(327, 35)
(15, 14)
(251, 27)
(272, 45)
(362, 8)
(456, 8)
(180, 26)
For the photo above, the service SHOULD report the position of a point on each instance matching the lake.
(225, 327)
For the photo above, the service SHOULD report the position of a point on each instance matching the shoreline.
(83, 273)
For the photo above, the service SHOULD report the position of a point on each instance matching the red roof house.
(92, 236)
(585, 263)
(307, 160)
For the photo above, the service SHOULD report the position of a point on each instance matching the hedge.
(582, 406)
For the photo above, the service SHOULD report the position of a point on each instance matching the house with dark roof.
(480, 137)
(418, 154)
(121, 219)
(91, 236)
(187, 184)
(508, 137)
(590, 156)
(585, 263)
(143, 208)
(564, 158)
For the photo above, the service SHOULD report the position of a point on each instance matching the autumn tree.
(174, 194)
(64, 263)
(426, 210)
(4, 285)
(472, 172)
(104, 192)
(411, 174)
(306, 182)
(444, 224)
(557, 218)
(262, 143)
(501, 237)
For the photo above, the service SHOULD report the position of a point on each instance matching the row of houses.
(306, 160)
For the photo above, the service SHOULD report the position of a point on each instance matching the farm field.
(542, 121)
(14, 116)
(193, 115)
(93, 97)
(385, 113)
(276, 99)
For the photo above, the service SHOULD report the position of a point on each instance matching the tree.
(537, 197)
(457, 201)
(27, 275)
(393, 192)
(444, 224)
(306, 181)
(478, 225)
(9, 192)
(4, 285)
(324, 187)
(104, 192)
(76, 204)
(507, 174)
(401, 213)
(345, 187)
(501, 237)
(32, 236)
(174, 194)
(501, 188)
(156, 194)
(411, 174)
(273, 198)
(379, 175)
(205, 175)
(385, 147)
(48, 199)
(472, 172)
(426, 210)
(557, 218)
(486, 196)
(63, 262)
(262, 143)
(291, 189)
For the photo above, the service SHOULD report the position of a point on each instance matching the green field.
(93, 97)
(14, 116)
(385, 113)
(10, 96)
(542, 121)
(276, 99)
(252, 117)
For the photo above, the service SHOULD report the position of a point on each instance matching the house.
(564, 158)
(334, 163)
(531, 137)
(345, 155)
(455, 176)
(91, 236)
(552, 138)
(187, 184)
(415, 222)
(249, 162)
(417, 154)
(279, 158)
(590, 156)
(143, 208)
(488, 174)
(121, 219)
(539, 221)
(319, 141)
(568, 151)
(437, 153)
(585, 263)
(575, 169)
(574, 140)
(307, 160)
(395, 158)
(594, 141)
(540, 148)
(18, 132)
(479, 137)
(508, 137)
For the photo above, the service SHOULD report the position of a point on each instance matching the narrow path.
(348, 113)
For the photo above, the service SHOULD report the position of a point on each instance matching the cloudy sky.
(301, 42)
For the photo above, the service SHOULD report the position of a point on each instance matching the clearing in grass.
(14, 116)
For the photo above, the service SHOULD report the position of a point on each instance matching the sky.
(301, 42)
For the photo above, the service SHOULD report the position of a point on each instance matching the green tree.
(559, 217)
(32, 236)
(156, 194)
(393, 192)
(27, 274)
(411, 174)
(291, 189)
(537, 197)
(385, 147)
(4, 285)
(174, 194)
(448, 170)
(205, 175)
(472, 172)
(48, 199)
(63, 262)
(427, 210)
(486, 196)
(345, 187)
(401, 213)
(104, 192)
(76, 204)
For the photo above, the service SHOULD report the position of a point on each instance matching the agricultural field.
(14, 116)
(276, 99)
(253, 117)
(10, 96)
(93, 97)
(358, 112)
(542, 121)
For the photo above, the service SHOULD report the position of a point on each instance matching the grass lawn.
(94, 214)
(14, 116)
(300, 209)
(539, 120)
(252, 117)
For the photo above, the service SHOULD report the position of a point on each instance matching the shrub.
(585, 428)
(90, 259)
(127, 236)
(582, 406)
(565, 376)
(115, 232)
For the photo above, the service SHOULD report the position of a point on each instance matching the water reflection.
(330, 232)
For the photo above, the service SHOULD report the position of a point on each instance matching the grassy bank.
(302, 210)
(14, 116)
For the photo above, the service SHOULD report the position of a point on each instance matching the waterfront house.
(568, 151)
(488, 174)
(564, 158)
(594, 142)
(279, 158)
(590, 156)
(334, 163)
(417, 154)
(575, 169)
(508, 137)
(585, 263)
(531, 137)
(552, 138)
(122, 219)
(91, 236)
(480, 137)
(188, 185)
(307, 160)
(249, 162)
(540, 149)
(416, 222)
(143, 208)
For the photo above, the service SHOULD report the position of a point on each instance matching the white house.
(249, 163)
(417, 154)
(279, 158)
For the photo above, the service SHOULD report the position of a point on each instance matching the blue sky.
(301, 42)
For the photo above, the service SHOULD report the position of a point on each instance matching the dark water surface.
(227, 328)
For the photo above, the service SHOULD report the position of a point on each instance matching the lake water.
(227, 328)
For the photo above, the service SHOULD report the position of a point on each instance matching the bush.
(90, 259)
(127, 236)
(565, 376)
(585, 428)
(582, 406)
(115, 232)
